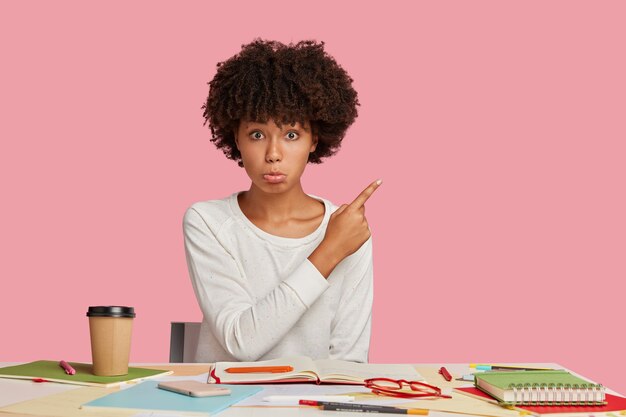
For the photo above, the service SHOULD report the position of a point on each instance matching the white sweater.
(262, 298)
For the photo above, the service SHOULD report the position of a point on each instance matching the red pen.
(68, 369)
(445, 374)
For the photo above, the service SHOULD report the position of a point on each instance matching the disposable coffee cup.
(110, 328)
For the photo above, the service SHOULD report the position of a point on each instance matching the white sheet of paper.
(17, 390)
(200, 378)
(313, 389)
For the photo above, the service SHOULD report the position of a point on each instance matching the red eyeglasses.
(394, 388)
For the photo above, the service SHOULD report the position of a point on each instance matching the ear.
(314, 144)
(236, 138)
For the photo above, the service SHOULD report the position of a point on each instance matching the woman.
(278, 272)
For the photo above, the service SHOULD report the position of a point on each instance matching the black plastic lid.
(111, 311)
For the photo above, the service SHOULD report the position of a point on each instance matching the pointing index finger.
(365, 194)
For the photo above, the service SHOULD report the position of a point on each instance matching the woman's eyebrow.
(253, 126)
(286, 126)
(296, 126)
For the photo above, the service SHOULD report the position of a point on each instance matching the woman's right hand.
(347, 230)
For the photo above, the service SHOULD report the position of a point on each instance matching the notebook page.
(353, 371)
(302, 367)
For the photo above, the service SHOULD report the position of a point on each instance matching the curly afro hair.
(286, 83)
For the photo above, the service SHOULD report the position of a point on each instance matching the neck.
(275, 207)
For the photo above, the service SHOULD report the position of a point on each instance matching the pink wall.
(498, 128)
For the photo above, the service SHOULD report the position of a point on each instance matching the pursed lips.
(274, 177)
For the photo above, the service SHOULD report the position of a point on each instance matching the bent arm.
(245, 326)
(351, 327)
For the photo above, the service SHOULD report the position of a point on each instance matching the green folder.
(51, 371)
(553, 387)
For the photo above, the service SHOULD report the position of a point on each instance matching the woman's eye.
(257, 135)
(292, 136)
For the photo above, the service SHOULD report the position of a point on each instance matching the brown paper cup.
(110, 328)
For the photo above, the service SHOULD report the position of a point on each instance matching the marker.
(68, 369)
(259, 369)
(505, 368)
(297, 398)
(364, 408)
(469, 377)
(445, 374)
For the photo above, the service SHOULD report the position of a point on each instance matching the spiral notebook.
(540, 388)
(614, 403)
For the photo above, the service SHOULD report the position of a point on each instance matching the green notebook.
(51, 371)
(539, 388)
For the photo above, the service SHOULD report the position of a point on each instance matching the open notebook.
(307, 370)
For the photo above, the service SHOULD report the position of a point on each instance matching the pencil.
(259, 369)
(505, 368)
(363, 408)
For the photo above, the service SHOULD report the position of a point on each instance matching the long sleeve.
(245, 324)
(351, 326)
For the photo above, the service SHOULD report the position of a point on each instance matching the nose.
(273, 153)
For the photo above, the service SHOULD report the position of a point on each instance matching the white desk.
(26, 398)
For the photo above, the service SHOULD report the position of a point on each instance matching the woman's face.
(274, 158)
